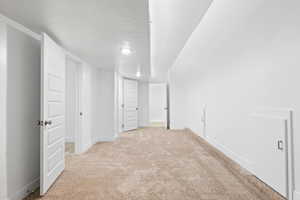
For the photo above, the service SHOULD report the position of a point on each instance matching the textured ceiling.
(94, 30)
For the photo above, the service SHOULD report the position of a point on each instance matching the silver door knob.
(48, 123)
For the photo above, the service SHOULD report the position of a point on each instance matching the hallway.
(153, 164)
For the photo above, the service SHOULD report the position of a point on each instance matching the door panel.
(53, 113)
(271, 161)
(130, 92)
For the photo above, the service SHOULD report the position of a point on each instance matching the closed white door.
(53, 113)
(270, 162)
(158, 103)
(130, 94)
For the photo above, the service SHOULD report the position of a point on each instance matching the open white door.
(52, 113)
(130, 91)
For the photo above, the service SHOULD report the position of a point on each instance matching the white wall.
(243, 55)
(157, 102)
(143, 104)
(105, 110)
(23, 112)
(3, 85)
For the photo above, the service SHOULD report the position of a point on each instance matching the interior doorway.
(73, 105)
(130, 104)
(158, 104)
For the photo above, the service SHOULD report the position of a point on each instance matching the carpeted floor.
(69, 147)
(155, 164)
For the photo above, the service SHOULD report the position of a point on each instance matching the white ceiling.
(94, 30)
(172, 22)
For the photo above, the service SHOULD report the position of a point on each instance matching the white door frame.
(3, 90)
(79, 111)
(78, 104)
(123, 106)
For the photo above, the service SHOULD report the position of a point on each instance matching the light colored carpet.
(155, 164)
(70, 147)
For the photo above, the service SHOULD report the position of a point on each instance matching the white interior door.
(270, 163)
(53, 113)
(130, 100)
(158, 103)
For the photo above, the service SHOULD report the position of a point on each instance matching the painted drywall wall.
(143, 104)
(157, 102)
(3, 87)
(23, 112)
(243, 55)
(105, 109)
(72, 81)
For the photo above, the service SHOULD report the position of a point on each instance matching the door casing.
(78, 103)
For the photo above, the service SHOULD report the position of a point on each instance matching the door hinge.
(280, 145)
(123, 126)
(122, 105)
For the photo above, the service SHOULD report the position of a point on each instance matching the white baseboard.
(296, 195)
(26, 190)
(231, 154)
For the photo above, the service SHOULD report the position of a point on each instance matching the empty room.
(149, 100)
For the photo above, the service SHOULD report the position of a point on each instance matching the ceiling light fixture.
(126, 51)
(138, 74)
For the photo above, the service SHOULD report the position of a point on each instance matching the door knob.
(48, 123)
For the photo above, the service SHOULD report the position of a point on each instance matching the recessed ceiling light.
(126, 51)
